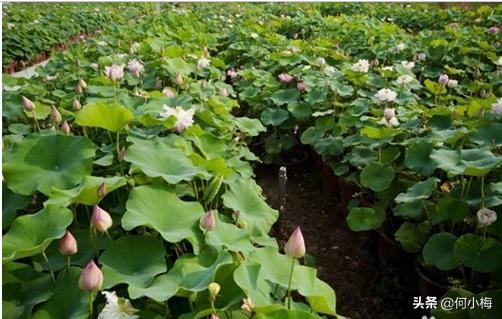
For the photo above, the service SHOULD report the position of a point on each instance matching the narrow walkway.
(346, 260)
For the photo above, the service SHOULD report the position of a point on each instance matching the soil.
(346, 260)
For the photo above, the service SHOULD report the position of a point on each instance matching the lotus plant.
(115, 72)
(91, 280)
(294, 248)
(184, 118)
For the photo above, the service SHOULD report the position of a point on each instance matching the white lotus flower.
(202, 63)
(452, 83)
(486, 216)
(386, 95)
(117, 308)
(168, 92)
(404, 79)
(393, 122)
(114, 72)
(499, 61)
(362, 66)
(408, 64)
(135, 67)
(400, 47)
(421, 56)
(497, 107)
(184, 118)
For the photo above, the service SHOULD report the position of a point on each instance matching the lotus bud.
(28, 105)
(213, 316)
(295, 247)
(223, 92)
(102, 191)
(452, 83)
(443, 79)
(214, 290)
(321, 62)
(91, 278)
(285, 78)
(76, 105)
(100, 219)
(206, 52)
(121, 153)
(168, 92)
(301, 86)
(247, 305)
(94, 66)
(65, 128)
(421, 56)
(486, 217)
(179, 79)
(55, 115)
(68, 244)
(389, 113)
(232, 74)
(78, 89)
(208, 221)
(82, 84)
(202, 63)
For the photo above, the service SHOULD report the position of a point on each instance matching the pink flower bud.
(232, 74)
(301, 86)
(28, 105)
(213, 316)
(65, 128)
(202, 63)
(208, 221)
(102, 191)
(285, 78)
(76, 105)
(121, 153)
(55, 115)
(82, 84)
(168, 92)
(114, 72)
(100, 219)
(295, 247)
(179, 79)
(443, 78)
(68, 245)
(78, 89)
(389, 113)
(493, 30)
(91, 278)
(321, 61)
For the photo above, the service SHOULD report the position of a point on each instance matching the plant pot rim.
(423, 276)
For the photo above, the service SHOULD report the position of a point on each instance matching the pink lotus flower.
(443, 78)
(67, 244)
(295, 247)
(493, 30)
(100, 219)
(232, 74)
(91, 278)
(28, 105)
(208, 221)
(135, 67)
(114, 72)
(389, 113)
(202, 63)
(285, 78)
(168, 92)
(301, 86)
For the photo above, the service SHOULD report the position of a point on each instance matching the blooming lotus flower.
(493, 30)
(320, 61)
(404, 79)
(452, 83)
(28, 105)
(400, 47)
(421, 57)
(301, 86)
(247, 305)
(214, 290)
(117, 308)
(135, 67)
(100, 219)
(208, 221)
(386, 95)
(362, 66)
(55, 116)
(497, 107)
(168, 92)
(76, 105)
(232, 74)
(443, 78)
(65, 128)
(67, 244)
(389, 122)
(389, 113)
(114, 72)
(486, 216)
(295, 247)
(184, 118)
(91, 278)
(409, 65)
(285, 78)
(202, 63)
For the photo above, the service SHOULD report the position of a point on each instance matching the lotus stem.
(289, 282)
(49, 266)
(90, 305)
(69, 261)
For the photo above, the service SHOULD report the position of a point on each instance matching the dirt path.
(346, 260)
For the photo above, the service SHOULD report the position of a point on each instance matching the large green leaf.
(418, 157)
(377, 176)
(249, 276)
(162, 210)
(251, 127)
(438, 251)
(68, 300)
(134, 260)
(478, 253)
(452, 209)
(86, 193)
(245, 196)
(157, 159)
(42, 162)
(229, 236)
(412, 236)
(22, 289)
(109, 116)
(365, 218)
(11, 203)
(472, 162)
(30, 235)
(419, 191)
(287, 96)
(274, 116)
(488, 135)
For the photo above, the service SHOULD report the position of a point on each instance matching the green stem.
(49, 266)
(90, 305)
(482, 191)
(69, 261)
(213, 309)
(289, 282)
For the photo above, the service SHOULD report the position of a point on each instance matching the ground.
(346, 260)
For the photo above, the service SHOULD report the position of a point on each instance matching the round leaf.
(112, 117)
(478, 253)
(364, 218)
(377, 176)
(438, 251)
